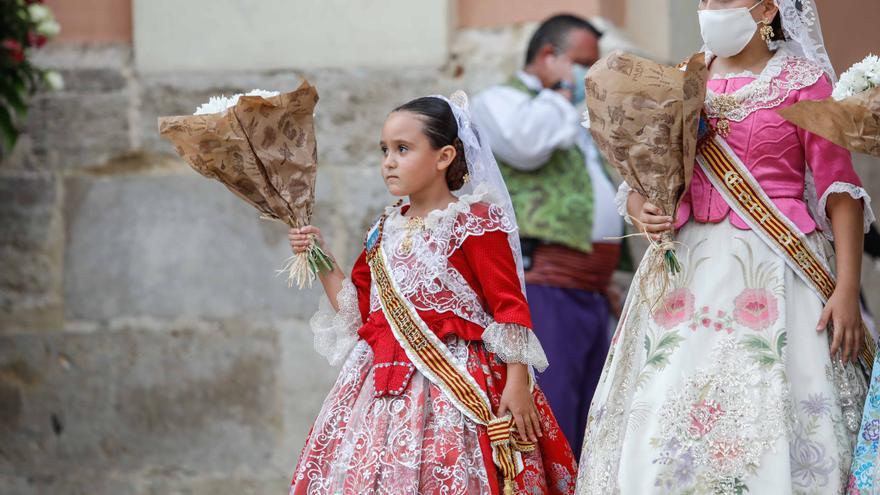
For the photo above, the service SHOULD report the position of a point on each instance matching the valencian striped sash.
(434, 360)
(745, 196)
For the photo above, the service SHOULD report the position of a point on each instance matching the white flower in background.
(49, 29)
(39, 13)
(54, 80)
(860, 77)
(217, 104)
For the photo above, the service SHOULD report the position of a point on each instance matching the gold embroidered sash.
(744, 195)
(434, 360)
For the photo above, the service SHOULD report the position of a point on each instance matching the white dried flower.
(217, 104)
(860, 77)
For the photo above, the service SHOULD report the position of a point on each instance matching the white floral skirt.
(724, 386)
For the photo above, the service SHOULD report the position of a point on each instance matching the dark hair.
(555, 32)
(441, 129)
(778, 33)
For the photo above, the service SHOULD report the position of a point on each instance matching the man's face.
(583, 47)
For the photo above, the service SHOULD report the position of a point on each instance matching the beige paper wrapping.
(262, 149)
(853, 123)
(644, 118)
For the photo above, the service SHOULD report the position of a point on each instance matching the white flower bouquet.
(851, 116)
(261, 146)
(859, 78)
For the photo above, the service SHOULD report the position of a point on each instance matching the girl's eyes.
(400, 149)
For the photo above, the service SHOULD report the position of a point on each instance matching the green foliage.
(25, 25)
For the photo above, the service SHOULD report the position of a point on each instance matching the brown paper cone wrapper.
(262, 149)
(644, 118)
(853, 123)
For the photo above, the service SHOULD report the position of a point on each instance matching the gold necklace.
(413, 224)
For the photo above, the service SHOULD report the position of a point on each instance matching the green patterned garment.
(553, 203)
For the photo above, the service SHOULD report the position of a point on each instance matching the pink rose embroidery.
(756, 308)
(677, 307)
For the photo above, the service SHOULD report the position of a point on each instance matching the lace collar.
(436, 217)
(772, 69)
(784, 73)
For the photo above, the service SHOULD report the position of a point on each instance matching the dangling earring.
(767, 32)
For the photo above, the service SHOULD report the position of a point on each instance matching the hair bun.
(458, 169)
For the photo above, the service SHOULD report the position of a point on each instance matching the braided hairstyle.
(441, 129)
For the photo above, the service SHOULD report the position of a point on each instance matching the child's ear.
(446, 156)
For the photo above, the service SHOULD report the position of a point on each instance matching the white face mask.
(727, 31)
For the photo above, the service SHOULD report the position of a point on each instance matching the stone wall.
(146, 345)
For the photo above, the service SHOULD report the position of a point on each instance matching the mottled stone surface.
(30, 251)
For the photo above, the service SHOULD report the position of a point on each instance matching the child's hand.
(517, 400)
(301, 239)
(848, 336)
(651, 219)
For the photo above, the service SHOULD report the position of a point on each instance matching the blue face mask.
(579, 73)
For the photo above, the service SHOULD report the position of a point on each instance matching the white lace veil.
(485, 176)
(800, 22)
(803, 33)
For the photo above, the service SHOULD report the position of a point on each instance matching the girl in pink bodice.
(741, 379)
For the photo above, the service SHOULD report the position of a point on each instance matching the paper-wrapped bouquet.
(851, 117)
(644, 117)
(261, 146)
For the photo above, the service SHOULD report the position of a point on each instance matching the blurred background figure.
(146, 346)
(564, 201)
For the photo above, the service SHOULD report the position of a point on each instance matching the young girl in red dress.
(436, 393)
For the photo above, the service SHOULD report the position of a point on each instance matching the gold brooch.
(412, 225)
(724, 104)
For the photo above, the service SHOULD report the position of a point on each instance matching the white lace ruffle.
(515, 344)
(620, 200)
(336, 331)
(451, 226)
(768, 90)
(732, 75)
(856, 192)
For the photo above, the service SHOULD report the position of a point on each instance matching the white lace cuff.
(515, 344)
(857, 193)
(336, 331)
(620, 200)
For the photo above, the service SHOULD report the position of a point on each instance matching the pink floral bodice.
(782, 157)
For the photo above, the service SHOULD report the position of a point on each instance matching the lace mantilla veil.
(484, 172)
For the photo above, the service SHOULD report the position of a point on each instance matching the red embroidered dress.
(385, 428)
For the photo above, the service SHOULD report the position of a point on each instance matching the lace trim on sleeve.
(515, 344)
(857, 193)
(620, 200)
(336, 331)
